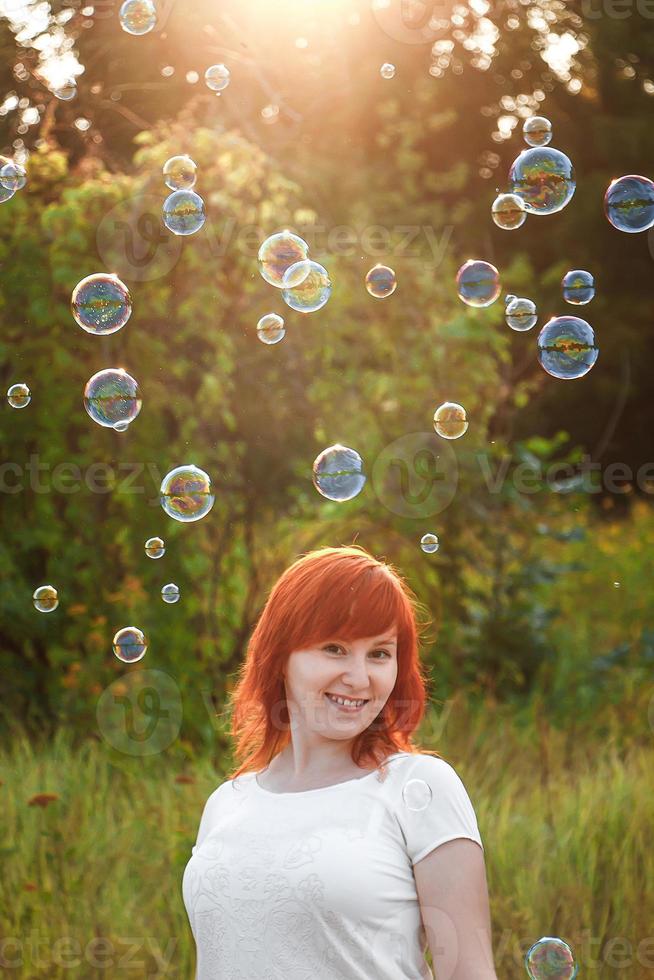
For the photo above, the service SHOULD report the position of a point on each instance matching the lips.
(330, 694)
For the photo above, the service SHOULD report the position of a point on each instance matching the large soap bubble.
(180, 172)
(629, 203)
(478, 283)
(521, 313)
(550, 959)
(508, 211)
(112, 398)
(544, 178)
(566, 347)
(183, 212)
(138, 16)
(101, 303)
(537, 131)
(129, 644)
(270, 328)
(578, 287)
(312, 293)
(338, 473)
(186, 494)
(217, 77)
(381, 281)
(278, 253)
(450, 420)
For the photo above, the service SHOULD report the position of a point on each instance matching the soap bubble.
(112, 396)
(217, 77)
(566, 347)
(312, 293)
(45, 598)
(183, 212)
(578, 287)
(478, 283)
(629, 203)
(270, 328)
(544, 178)
(338, 473)
(180, 173)
(101, 303)
(416, 794)
(170, 593)
(550, 959)
(19, 395)
(13, 177)
(508, 211)
(381, 281)
(450, 420)
(521, 314)
(429, 543)
(537, 131)
(129, 644)
(186, 494)
(387, 70)
(6, 194)
(296, 274)
(155, 548)
(278, 253)
(66, 91)
(509, 298)
(138, 16)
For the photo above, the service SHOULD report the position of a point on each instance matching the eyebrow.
(389, 640)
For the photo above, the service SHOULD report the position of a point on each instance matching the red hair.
(327, 593)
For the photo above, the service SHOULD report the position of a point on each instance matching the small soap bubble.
(381, 281)
(19, 395)
(112, 396)
(138, 16)
(566, 347)
(537, 131)
(509, 211)
(578, 287)
(338, 473)
(66, 91)
(629, 203)
(429, 543)
(450, 420)
(521, 314)
(312, 293)
(416, 794)
(129, 644)
(550, 959)
(155, 548)
(13, 177)
(278, 253)
(45, 598)
(217, 77)
(186, 494)
(270, 328)
(180, 173)
(387, 70)
(170, 593)
(478, 283)
(183, 212)
(296, 274)
(101, 303)
(544, 178)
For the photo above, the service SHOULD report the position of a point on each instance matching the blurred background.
(541, 649)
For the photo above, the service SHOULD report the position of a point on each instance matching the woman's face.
(364, 669)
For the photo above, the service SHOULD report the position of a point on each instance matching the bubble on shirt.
(521, 314)
(429, 543)
(508, 211)
(550, 957)
(186, 493)
(170, 593)
(112, 396)
(217, 77)
(416, 794)
(478, 283)
(537, 131)
(138, 16)
(278, 253)
(130, 644)
(45, 598)
(312, 293)
(567, 348)
(180, 172)
(19, 395)
(629, 203)
(270, 328)
(381, 281)
(183, 212)
(578, 287)
(101, 303)
(450, 420)
(155, 548)
(544, 178)
(338, 473)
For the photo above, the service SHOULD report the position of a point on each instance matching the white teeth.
(345, 701)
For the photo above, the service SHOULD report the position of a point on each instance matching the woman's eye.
(333, 646)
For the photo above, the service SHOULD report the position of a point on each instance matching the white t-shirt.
(318, 884)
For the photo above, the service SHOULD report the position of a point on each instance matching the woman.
(337, 850)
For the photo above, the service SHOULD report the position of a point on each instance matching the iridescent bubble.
(112, 396)
(509, 211)
(478, 283)
(537, 131)
(101, 303)
(278, 253)
(416, 794)
(381, 281)
(138, 16)
(629, 203)
(129, 644)
(45, 598)
(6, 193)
(550, 959)
(296, 274)
(13, 177)
(578, 287)
(521, 314)
(66, 91)
(155, 548)
(566, 347)
(183, 212)
(217, 77)
(170, 593)
(544, 178)
(338, 473)
(312, 293)
(19, 395)
(180, 172)
(270, 328)
(387, 70)
(429, 543)
(509, 298)
(450, 420)
(186, 494)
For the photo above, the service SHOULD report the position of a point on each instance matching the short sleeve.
(433, 806)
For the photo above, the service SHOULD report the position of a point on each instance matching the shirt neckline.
(320, 789)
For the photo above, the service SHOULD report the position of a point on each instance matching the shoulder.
(422, 765)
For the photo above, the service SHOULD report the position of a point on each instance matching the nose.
(357, 677)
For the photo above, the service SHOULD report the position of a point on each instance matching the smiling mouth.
(332, 698)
